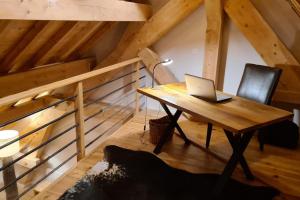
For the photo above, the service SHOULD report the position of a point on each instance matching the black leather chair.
(258, 84)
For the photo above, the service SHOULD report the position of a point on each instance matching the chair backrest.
(259, 83)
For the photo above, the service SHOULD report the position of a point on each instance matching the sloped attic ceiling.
(25, 44)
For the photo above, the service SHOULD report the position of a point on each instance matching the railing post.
(137, 85)
(79, 119)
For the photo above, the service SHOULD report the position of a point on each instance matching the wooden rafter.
(259, 33)
(60, 46)
(213, 41)
(11, 33)
(147, 34)
(86, 46)
(150, 59)
(41, 76)
(55, 38)
(295, 4)
(78, 39)
(6, 64)
(87, 10)
(265, 41)
(23, 55)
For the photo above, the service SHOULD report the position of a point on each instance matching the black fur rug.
(138, 175)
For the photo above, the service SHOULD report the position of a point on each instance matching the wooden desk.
(239, 118)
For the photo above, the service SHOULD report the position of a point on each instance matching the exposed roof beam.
(213, 41)
(70, 10)
(90, 43)
(150, 59)
(137, 36)
(81, 37)
(28, 37)
(41, 76)
(272, 50)
(20, 56)
(42, 52)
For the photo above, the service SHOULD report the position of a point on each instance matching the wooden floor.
(277, 167)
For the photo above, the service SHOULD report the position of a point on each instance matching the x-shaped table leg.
(239, 145)
(174, 118)
(234, 140)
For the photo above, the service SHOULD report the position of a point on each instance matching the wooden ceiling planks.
(89, 44)
(34, 45)
(11, 33)
(26, 44)
(25, 40)
(83, 35)
(55, 38)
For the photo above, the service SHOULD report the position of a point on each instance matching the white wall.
(185, 45)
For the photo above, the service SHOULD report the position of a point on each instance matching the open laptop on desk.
(204, 89)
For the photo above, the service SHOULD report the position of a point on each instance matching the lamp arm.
(153, 71)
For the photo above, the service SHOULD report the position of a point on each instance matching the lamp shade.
(5, 137)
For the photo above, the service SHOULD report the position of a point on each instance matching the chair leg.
(208, 134)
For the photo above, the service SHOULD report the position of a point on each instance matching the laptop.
(204, 89)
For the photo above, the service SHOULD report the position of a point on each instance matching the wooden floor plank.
(275, 166)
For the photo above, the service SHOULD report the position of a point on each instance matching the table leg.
(234, 140)
(9, 176)
(174, 118)
(236, 157)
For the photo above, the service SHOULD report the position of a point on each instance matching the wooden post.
(137, 85)
(80, 121)
(213, 41)
(9, 176)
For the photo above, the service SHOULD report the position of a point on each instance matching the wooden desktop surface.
(238, 115)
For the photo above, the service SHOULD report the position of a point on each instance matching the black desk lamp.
(164, 63)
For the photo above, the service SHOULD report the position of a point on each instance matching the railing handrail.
(31, 92)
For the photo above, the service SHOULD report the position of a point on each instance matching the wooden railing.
(78, 111)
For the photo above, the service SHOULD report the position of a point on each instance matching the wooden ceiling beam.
(162, 74)
(52, 55)
(269, 46)
(21, 57)
(11, 33)
(248, 19)
(15, 50)
(41, 76)
(79, 39)
(213, 41)
(139, 36)
(70, 10)
(90, 43)
(42, 52)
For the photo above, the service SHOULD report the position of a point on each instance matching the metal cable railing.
(37, 129)
(37, 148)
(36, 111)
(39, 164)
(115, 125)
(47, 175)
(77, 125)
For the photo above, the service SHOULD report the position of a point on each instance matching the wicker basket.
(158, 128)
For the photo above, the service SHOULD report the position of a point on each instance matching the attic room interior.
(149, 99)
